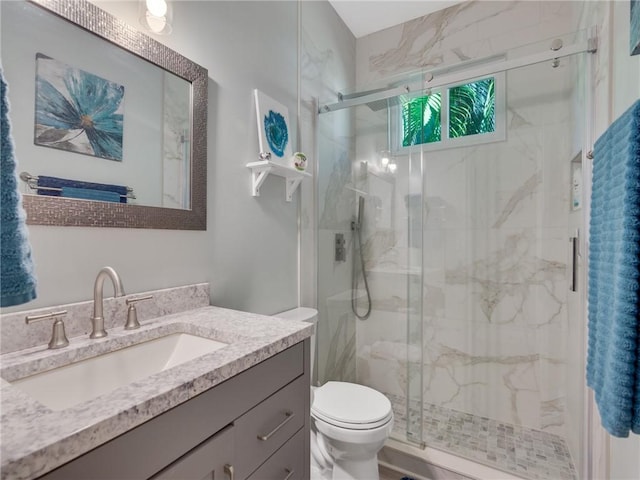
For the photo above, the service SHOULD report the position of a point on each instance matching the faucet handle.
(132, 314)
(58, 335)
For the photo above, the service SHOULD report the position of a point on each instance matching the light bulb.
(157, 8)
(384, 159)
(156, 24)
(393, 167)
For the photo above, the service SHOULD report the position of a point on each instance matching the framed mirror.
(109, 125)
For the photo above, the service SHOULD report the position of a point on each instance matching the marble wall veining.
(494, 221)
(327, 59)
(469, 30)
(336, 204)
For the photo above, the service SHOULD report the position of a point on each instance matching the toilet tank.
(304, 314)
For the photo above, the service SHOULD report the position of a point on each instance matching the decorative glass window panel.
(460, 115)
(421, 120)
(472, 108)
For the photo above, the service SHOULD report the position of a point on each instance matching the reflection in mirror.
(120, 121)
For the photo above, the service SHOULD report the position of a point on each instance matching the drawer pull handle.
(289, 473)
(288, 415)
(228, 469)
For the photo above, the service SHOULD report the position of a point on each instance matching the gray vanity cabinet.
(252, 426)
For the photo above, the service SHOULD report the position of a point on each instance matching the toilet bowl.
(353, 421)
(349, 423)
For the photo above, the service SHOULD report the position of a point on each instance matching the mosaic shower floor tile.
(523, 451)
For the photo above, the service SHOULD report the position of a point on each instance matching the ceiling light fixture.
(155, 16)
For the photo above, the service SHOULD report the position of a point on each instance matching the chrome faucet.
(97, 320)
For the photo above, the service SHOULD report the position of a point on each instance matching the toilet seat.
(351, 406)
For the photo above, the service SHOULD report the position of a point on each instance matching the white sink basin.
(72, 384)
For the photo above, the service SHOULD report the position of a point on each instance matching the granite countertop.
(36, 439)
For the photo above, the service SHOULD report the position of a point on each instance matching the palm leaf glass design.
(472, 108)
(471, 112)
(421, 120)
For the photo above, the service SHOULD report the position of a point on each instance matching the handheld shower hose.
(357, 226)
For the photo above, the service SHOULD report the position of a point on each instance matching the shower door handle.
(575, 255)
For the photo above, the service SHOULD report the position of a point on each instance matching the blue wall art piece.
(275, 129)
(634, 30)
(274, 135)
(77, 111)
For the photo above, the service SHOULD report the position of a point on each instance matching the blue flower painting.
(275, 129)
(77, 111)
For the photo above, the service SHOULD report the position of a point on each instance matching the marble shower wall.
(327, 65)
(495, 221)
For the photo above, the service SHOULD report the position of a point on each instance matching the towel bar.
(32, 183)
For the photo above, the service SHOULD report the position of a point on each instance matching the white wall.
(625, 82)
(249, 251)
(626, 68)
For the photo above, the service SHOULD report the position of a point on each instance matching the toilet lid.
(351, 406)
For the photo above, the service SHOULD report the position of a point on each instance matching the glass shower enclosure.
(475, 330)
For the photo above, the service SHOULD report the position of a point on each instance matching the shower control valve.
(340, 248)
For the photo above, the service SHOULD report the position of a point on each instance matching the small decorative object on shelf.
(265, 156)
(299, 161)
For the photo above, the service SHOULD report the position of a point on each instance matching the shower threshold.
(521, 451)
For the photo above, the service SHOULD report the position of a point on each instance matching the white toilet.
(349, 422)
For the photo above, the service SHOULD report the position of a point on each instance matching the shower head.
(378, 105)
(375, 105)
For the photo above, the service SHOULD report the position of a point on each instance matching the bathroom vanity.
(250, 426)
(240, 412)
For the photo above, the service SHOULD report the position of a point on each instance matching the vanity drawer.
(211, 459)
(266, 427)
(286, 464)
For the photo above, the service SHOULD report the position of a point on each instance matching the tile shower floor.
(518, 450)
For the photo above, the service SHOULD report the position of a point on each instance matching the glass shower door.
(414, 202)
(382, 350)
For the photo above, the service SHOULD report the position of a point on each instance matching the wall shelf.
(261, 170)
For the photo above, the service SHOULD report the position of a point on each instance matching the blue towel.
(613, 358)
(55, 182)
(89, 194)
(17, 279)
